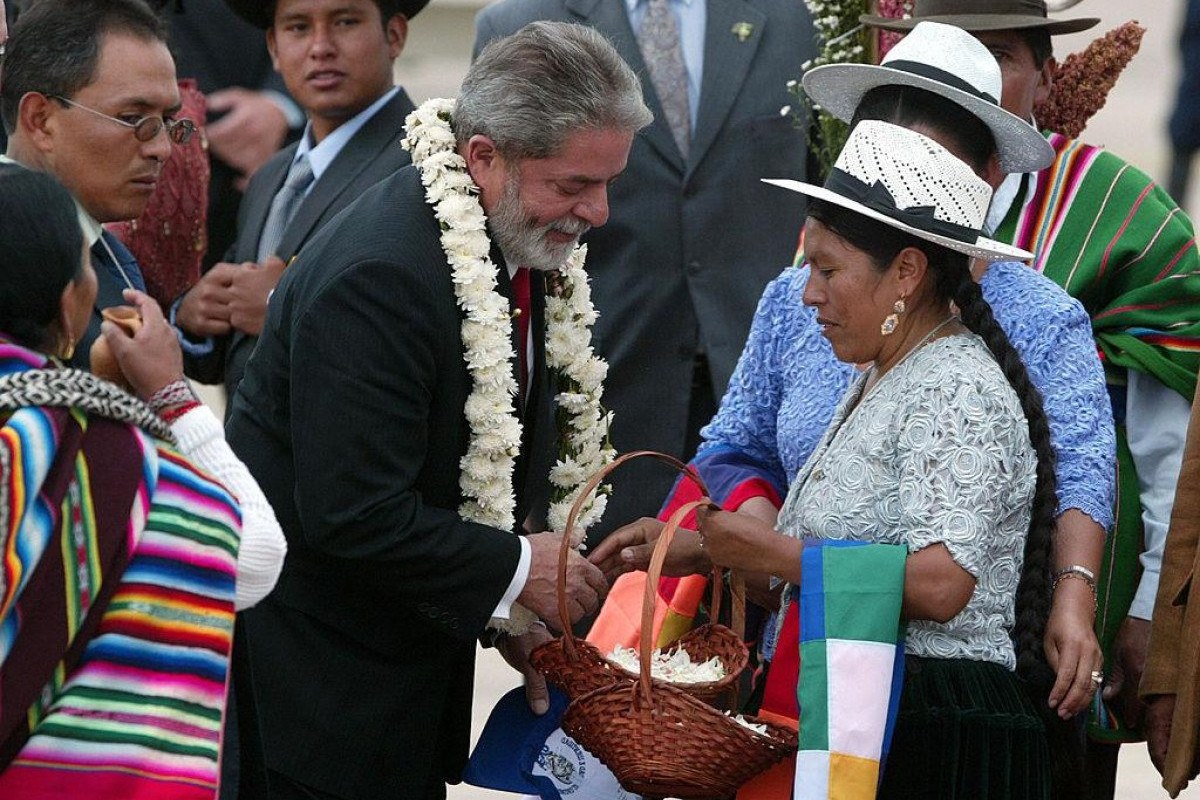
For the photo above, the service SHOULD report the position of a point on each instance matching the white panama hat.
(949, 62)
(908, 181)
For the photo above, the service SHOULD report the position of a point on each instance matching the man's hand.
(248, 293)
(204, 310)
(251, 131)
(1121, 687)
(151, 359)
(516, 650)
(585, 583)
(629, 548)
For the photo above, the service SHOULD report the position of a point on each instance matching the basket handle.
(653, 573)
(577, 508)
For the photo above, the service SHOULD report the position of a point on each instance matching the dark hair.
(55, 46)
(41, 252)
(953, 281)
(1039, 44)
(909, 106)
(387, 9)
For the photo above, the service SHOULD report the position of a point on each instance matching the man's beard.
(523, 243)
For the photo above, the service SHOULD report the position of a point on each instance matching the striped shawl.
(116, 597)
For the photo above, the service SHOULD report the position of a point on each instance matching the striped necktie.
(284, 206)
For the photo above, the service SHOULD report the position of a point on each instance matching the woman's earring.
(69, 350)
(893, 319)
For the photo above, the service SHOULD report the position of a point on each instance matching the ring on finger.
(1097, 677)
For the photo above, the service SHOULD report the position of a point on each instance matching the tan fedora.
(982, 15)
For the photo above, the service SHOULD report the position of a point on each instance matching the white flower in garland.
(487, 467)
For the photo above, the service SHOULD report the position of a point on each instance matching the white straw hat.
(949, 62)
(908, 181)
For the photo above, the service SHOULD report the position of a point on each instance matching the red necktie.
(520, 285)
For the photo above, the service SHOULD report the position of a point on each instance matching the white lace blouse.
(938, 451)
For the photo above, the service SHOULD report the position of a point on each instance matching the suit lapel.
(610, 18)
(726, 62)
(109, 286)
(385, 129)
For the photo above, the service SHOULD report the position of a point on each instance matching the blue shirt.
(788, 383)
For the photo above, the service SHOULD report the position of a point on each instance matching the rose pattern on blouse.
(937, 452)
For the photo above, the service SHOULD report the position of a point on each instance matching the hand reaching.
(585, 583)
(516, 650)
(151, 358)
(628, 548)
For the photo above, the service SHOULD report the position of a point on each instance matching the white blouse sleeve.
(260, 556)
(966, 469)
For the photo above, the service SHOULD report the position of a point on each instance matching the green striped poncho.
(1118, 243)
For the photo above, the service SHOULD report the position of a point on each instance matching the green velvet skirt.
(966, 730)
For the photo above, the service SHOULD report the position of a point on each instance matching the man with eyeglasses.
(88, 94)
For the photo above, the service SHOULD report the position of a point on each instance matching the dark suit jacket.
(370, 156)
(351, 419)
(689, 247)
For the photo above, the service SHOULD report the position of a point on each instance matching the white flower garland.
(487, 466)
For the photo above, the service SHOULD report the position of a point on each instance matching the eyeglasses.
(144, 129)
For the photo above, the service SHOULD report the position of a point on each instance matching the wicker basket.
(578, 667)
(660, 741)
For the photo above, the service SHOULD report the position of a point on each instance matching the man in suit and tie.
(694, 235)
(402, 424)
(336, 58)
(88, 94)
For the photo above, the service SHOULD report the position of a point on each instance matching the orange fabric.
(774, 784)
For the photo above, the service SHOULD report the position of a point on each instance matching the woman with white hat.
(942, 446)
(940, 81)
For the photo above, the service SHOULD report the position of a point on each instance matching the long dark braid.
(1033, 589)
(1033, 599)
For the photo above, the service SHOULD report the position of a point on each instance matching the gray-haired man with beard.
(353, 415)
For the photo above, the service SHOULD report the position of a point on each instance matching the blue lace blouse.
(788, 383)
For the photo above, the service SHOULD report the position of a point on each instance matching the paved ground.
(1133, 124)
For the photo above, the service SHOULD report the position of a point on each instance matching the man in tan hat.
(1105, 232)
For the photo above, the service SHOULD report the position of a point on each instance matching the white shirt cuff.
(504, 607)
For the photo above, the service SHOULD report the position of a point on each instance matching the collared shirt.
(322, 154)
(92, 229)
(692, 16)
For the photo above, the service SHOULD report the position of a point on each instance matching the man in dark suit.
(354, 416)
(88, 94)
(694, 235)
(336, 59)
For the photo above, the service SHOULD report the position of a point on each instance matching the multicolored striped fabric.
(116, 609)
(1118, 243)
(851, 665)
(1105, 232)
